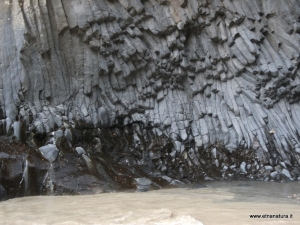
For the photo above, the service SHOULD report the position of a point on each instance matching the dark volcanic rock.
(191, 90)
(2, 193)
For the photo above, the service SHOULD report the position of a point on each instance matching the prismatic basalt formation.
(184, 89)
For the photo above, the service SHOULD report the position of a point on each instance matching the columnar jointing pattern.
(203, 73)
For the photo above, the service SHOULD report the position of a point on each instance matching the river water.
(213, 203)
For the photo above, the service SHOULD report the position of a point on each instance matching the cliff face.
(188, 88)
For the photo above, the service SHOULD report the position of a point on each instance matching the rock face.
(193, 89)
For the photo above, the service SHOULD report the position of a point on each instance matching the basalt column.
(186, 87)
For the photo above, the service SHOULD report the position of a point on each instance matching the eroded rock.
(216, 83)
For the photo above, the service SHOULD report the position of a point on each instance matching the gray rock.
(270, 168)
(243, 167)
(49, 152)
(286, 173)
(143, 184)
(167, 178)
(143, 181)
(58, 133)
(69, 137)
(80, 150)
(177, 183)
(273, 174)
(142, 188)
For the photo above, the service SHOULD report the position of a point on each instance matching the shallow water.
(217, 203)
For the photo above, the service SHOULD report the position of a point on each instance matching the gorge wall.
(173, 90)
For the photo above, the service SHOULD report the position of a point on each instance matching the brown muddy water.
(216, 203)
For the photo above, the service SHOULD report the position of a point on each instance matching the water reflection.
(213, 203)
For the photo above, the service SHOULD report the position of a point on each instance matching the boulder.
(49, 152)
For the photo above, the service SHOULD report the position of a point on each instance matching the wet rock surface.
(117, 165)
(143, 184)
(104, 92)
